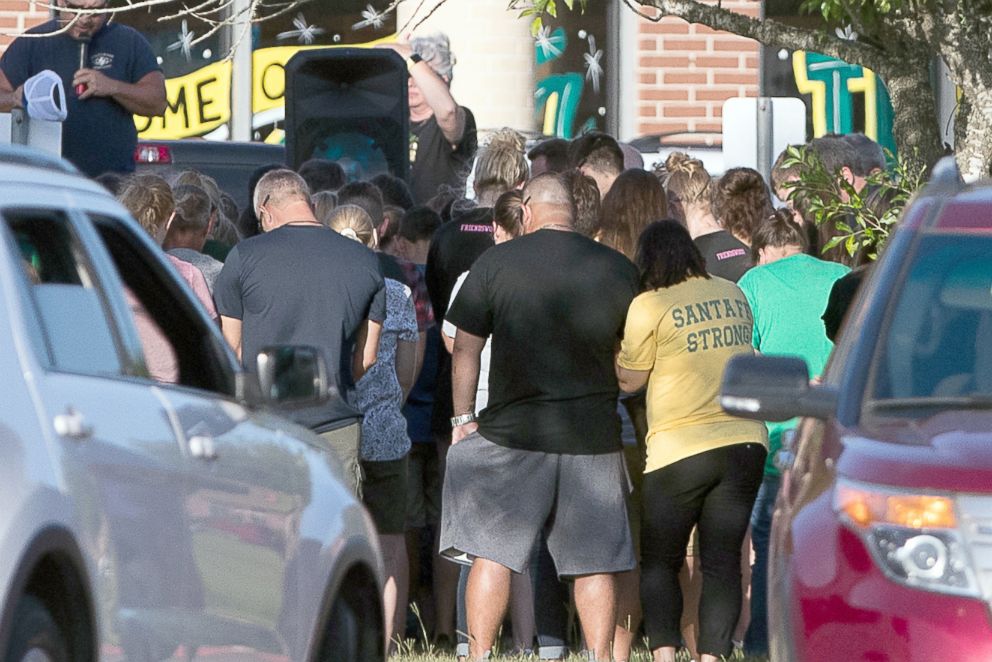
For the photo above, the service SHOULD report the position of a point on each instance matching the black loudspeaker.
(349, 105)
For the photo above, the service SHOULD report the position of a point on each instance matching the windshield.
(936, 348)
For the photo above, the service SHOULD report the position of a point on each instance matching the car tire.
(34, 635)
(348, 637)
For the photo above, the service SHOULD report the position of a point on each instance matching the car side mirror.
(773, 388)
(292, 375)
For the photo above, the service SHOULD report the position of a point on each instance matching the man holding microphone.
(109, 73)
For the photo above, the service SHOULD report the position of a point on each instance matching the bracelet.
(462, 420)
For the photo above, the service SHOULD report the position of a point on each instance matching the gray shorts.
(497, 500)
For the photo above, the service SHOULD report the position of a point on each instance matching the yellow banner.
(200, 102)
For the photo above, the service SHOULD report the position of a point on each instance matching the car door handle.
(202, 447)
(72, 424)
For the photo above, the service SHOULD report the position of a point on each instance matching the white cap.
(44, 97)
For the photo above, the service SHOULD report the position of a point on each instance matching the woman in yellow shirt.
(704, 467)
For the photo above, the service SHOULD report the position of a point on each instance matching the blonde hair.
(149, 199)
(353, 222)
(687, 180)
(502, 164)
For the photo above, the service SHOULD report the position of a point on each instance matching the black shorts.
(384, 494)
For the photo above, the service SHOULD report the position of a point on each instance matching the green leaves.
(863, 14)
(861, 218)
(538, 9)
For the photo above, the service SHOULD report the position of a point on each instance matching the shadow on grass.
(639, 655)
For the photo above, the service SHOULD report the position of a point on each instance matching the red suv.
(881, 546)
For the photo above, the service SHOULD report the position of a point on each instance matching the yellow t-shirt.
(684, 335)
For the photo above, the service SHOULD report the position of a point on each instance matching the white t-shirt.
(448, 329)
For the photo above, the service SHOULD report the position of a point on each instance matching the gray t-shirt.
(208, 266)
(304, 285)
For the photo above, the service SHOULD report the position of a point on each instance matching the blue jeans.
(756, 639)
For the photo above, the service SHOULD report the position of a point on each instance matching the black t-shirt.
(98, 134)
(726, 256)
(554, 303)
(304, 285)
(454, 249)
(434, 161)
(841, 297)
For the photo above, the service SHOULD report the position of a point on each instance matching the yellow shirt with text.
(684, 335)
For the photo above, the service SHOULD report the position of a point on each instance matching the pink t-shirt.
(194, 278)
(160, 358)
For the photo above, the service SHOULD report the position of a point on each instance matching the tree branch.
(770, 32)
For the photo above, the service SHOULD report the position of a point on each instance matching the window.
(937, 343)
(76, 334)
(174, 336)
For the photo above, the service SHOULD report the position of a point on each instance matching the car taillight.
(152, 154)
(915, 538)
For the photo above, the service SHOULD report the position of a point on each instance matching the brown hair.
(501, 164)
(586, 203)
(782, 173)
(149, 199)
(778, 229)
(324, 202)
(635, 200)
(508, 213)
(598, 151)
(192, 209)
(687, 180)
(740, 201)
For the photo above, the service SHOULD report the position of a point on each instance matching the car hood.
(950, 451)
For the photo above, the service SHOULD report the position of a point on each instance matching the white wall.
(494, 51)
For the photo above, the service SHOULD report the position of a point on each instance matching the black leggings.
(714, 490)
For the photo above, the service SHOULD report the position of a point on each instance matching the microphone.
(84, 56)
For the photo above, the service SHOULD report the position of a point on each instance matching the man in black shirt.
(442, 133)
(546, 451)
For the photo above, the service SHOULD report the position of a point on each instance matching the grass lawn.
(639, 655)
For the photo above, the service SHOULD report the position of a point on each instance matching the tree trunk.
(915, 125)
(972, 131)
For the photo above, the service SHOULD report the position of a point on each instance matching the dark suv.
(881, 546)
(230, 163)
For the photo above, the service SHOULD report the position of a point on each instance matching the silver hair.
(435, 48)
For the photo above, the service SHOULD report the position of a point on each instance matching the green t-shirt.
(787, 299)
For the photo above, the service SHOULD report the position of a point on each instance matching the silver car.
(147, 521)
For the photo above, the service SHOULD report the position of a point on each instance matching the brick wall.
(685, 72)
(16, 16)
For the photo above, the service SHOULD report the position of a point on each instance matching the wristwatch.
(462, 420)
(412, 60)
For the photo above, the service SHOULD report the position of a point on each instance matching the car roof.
(22, 166)
(947, 204)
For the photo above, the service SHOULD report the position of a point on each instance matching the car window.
(178, 344)
(70, 308)
(937, 341)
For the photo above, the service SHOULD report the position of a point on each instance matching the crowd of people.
(525, 373)
(525, 381)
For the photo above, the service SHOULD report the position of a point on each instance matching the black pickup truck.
(229, 163)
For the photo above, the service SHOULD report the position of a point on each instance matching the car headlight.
(914, 538)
